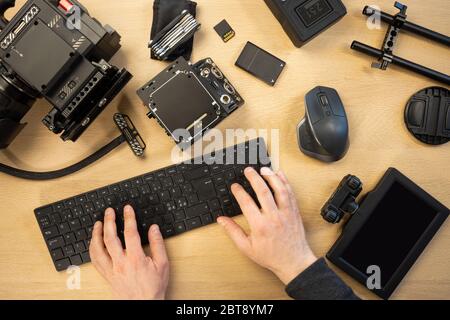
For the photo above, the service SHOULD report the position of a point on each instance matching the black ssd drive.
(260, 63)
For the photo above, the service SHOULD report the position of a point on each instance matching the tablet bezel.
(367, 208)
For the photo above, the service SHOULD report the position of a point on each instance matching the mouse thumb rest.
(310, 145)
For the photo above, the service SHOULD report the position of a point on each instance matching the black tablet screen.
(390, 233)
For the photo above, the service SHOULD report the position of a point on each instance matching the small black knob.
(331, 216)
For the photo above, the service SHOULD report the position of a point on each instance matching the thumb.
(236, 233)
(157, 246)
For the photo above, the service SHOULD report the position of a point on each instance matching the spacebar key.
(197, 210)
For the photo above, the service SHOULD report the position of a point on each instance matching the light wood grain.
(204, 262)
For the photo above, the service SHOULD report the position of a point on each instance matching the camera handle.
(4, 6)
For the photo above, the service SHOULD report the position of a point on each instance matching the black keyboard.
(178, 198)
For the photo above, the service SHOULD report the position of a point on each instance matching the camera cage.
(72, 72)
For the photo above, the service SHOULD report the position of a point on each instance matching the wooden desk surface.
(205, 263)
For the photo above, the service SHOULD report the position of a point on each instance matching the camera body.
(54, 49)
(343, 200)
(189, 99)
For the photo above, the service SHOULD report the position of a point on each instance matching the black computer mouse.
(324, 132)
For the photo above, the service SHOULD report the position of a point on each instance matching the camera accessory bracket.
(343, 200)
(386, 54)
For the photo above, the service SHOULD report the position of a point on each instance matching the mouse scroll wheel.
(324, 100)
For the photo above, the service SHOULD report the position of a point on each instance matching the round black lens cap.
(427, 115)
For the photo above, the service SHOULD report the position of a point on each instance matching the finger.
(292, 196)
(97, 251)
(246, 203)
(261, 189)
(131, 234)
(157, 246)
(112, 242)
(235, 232)
(281, 193)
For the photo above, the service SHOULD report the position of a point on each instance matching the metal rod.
(417, 68)
(410, 26)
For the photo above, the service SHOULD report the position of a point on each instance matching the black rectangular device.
(392, 227)
(302, 20)
(260, 63)
(178, 198)
(189, 99)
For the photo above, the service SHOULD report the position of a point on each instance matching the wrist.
(289, 273)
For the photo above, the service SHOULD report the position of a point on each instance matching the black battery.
(303, 20)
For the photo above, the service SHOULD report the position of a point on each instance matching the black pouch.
(164, 11)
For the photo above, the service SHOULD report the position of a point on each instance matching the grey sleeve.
(319, 282)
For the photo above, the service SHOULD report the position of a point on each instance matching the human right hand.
(277, 237)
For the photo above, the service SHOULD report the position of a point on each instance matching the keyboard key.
(81, 234)
(51, 232)
(86, 221)
(178, 179)
(57, 254)
(79, 246)
(44, 221)
(66, 215)
(167, 231)
(166, 182)
(57, 242)
(164, 195)
(171, 206)
(181, 202)
(76, 260)
(149, 177)
(214, 204)
(75, 224)
(62, 264)
(217, 213)
(172, 171)
(63, 227)
(85, 256)
(70, 237)
(179, 227)
(44, 211)
(175, 192)
(207, 219)
(179, 215)
(205, 189)
(193, 223)
(92, 196)
(196, 173)
(103, 192)
(168, 218)
(197, 210)
(77, 211)
(192, 198)
(80, 199)
(218, 180)
(59, 206)
(69, 250)
(153, 199)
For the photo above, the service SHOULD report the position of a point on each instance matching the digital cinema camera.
(54, 49)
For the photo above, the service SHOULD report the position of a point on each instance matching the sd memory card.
(225, 31)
